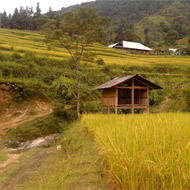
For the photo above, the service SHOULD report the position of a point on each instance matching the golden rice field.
(144, 151)
(30, 41)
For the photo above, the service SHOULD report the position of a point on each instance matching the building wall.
(108, 97)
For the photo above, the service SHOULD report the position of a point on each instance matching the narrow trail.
(11, 158)
(35, 163)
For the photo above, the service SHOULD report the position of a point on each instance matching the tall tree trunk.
(78, 89)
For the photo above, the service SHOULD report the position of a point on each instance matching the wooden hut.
(128, 92)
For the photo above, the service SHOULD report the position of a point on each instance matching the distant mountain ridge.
(157, 17)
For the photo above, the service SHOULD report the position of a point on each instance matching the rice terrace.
(95, 97)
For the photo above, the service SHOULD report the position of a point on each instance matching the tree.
(130, 35)
(147, 42)
(4, 20)
(172, 36)
(50, 14)
(146, 31)
(74, 32)
(38, 10)
(15, 19)
(188, 35)
(36, 17)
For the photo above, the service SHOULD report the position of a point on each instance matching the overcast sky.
(10, 5)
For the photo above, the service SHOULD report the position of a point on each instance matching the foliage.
(65, 169)
(144, 151)
(183, 51)
(130, 35)
(100, 61)
(24, 18)
(156, 98)
(84, 28)
(157, 16)
(37, 128)
(172, 37)
(186, 94)
(39, 72)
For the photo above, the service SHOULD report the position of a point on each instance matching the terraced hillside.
(32, 69)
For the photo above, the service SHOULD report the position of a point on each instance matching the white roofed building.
(134, 46)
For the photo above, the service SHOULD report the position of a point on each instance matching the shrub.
(155, 98)
(186, 95)
(100, 61)
(89, 57)
(16, 56)
(34, 129)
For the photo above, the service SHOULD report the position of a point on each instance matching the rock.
(37, 142)
(59, 147)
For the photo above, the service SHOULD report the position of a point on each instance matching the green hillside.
(143, 21)
(156, 17)
(32, 69)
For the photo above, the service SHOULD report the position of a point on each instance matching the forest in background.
(153, 23)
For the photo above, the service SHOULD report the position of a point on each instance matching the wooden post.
(108, 104)
(148, 100)
(116, 100)
(102, 109)
(133, 97)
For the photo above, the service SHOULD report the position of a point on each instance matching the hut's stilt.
(116, 101)
(148, 101)
(108, 105)
(132, 97)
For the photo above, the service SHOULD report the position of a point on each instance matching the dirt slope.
(12, 117)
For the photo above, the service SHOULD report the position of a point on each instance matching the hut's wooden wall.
(124, 96)
(132, 94)
(140, 96)
(108, 97)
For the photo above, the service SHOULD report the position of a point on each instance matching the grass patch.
(77, 166)
(11, 170)
(31, 130)
(144, 151)
(3, 156)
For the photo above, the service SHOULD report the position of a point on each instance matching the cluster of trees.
(25, 18)
(126, 15)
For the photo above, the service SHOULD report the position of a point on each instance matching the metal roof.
(131, 45)
(172, 49)
(120, 80)
(113, 45)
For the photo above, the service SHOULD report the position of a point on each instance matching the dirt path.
(11, 158)
(77, 166)
(35, 163)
